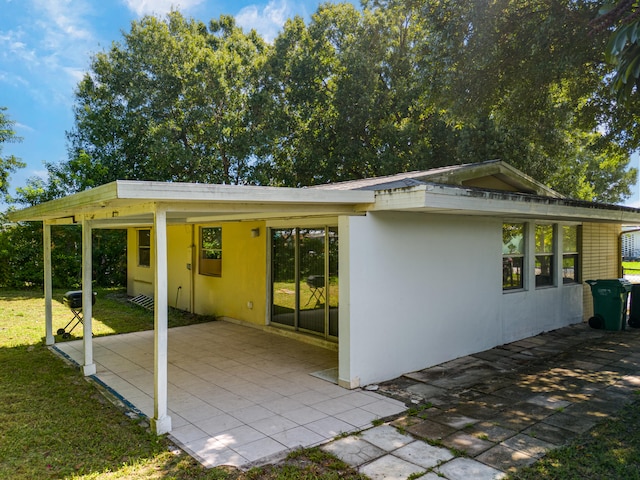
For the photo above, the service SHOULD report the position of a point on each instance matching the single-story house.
(397, 273)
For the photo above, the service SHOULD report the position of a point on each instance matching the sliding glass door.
(304, 279)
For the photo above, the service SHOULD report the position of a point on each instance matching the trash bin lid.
(622, 284)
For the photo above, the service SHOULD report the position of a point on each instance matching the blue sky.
(46, 47)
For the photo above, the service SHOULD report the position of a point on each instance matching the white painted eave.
(433, 198)
(123, 202)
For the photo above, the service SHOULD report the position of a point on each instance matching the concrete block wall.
(600, 257)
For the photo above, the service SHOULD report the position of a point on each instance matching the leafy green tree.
(523, 82)
(623, 49)
(8, 163)
(397, 85)
(340, 99)
(169, 102)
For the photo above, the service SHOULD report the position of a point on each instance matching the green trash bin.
(609, 303)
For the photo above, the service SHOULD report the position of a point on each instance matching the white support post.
(161, 422)
(89, 368)
(48, 291)
(346, 378)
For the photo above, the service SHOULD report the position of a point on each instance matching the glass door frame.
(298, 277)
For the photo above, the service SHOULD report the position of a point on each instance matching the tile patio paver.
(423, 454)
(533, 447)
(505, 459)
(386, 437)
(466, 443)
(431, 430)
(504, 408)
(236, 394)
(467, 469)
(390, 467)
(549, 433)
(354, 450)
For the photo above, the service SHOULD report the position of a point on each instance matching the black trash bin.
(634, 306)
(609, 303)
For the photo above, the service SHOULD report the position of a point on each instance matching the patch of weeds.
(310, 463)
(377, 422)
(483, 436)
(413, 476)
(345, 435)
(417, 411)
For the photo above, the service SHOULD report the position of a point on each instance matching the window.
(570, 256)
(211, 251)
(544, 255)
(144, 248)
(513, 248)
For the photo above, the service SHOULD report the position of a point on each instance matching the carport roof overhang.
(451, 200)
(126, 203)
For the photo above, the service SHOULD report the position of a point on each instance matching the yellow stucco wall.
(600, 257)
(240, 292)
(179, 243)
(139, 279)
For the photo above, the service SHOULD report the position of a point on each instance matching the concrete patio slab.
(505, 459)
(386, 437)
(354, 450)
(466, 443)
(431, 430)
(422, 454)
(466, 469)
(390, 467)
(236, 394)
(533, 447)
(245, 403)
(549, 433)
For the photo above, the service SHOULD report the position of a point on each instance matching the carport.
(125, 204)
(236, 394)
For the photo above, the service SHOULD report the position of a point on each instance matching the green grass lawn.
(631, 268)
(611, 450)
(54, 424)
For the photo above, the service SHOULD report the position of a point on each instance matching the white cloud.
(46, 54)
(63, 20)
(12, 45)
(159, 7)
(22, 126)
(12, 79)
(267, 20)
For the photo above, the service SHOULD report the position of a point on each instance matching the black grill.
(73, 300)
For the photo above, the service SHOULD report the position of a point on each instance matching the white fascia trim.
(434, 198)
(189, 192)
(128, 195)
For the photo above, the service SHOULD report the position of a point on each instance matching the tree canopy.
(169, 102)
(393, 86)
(9, 163)
(623, 49)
